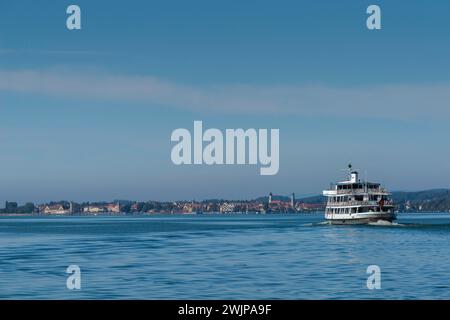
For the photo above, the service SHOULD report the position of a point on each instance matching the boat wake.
(322, 223)
(385, 223)
(379, 223)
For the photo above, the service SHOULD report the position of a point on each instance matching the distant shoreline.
(123, 214)
(425, 201)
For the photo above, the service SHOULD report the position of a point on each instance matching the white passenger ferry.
(358, 202)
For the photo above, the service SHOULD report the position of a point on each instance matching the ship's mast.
(352, 174)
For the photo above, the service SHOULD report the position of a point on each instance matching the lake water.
(223, 257)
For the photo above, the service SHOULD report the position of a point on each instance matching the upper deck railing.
(359, 203)
(361, 190)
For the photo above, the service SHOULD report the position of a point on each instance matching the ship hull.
(360, 218)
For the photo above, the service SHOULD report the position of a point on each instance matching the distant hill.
(433, 194)
(434, 200)
(274, 197)
(313, 199)
(428, 200)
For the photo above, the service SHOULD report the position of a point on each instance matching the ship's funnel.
(354, 176)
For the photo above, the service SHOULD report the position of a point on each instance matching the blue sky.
(87, 115)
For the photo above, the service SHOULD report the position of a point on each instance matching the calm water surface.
(223, 257)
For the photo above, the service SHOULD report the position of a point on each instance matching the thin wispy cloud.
(389, 101)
